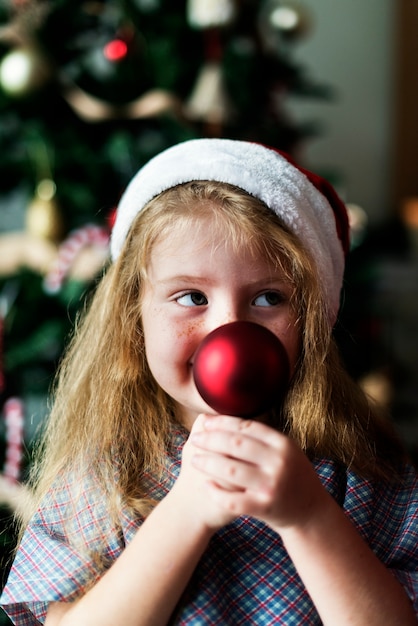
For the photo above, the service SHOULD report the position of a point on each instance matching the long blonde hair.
(107, 406)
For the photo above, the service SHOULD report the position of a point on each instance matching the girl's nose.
(227, 316)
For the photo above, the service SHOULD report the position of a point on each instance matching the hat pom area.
(306, 203)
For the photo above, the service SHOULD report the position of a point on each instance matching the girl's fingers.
(251, 469)
(239, 439)
(238, 502)
(236, 458)
(226, 471)
(251, 428)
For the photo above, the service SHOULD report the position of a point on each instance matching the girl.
(151, 509)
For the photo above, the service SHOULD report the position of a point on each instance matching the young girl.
(149, 508)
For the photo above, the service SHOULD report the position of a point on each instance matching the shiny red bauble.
(241, 369)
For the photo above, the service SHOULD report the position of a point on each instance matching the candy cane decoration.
(69, 249)
(7, 298)
(14, 421)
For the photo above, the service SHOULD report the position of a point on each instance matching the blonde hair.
(108, 407)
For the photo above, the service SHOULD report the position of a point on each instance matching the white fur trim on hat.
(261, 172)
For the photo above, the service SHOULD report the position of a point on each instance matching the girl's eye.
(194, 298)
(269, 298)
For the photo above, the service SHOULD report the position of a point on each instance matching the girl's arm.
(275, 482)
(145, 583)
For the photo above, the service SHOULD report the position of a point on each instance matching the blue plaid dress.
(244, 577)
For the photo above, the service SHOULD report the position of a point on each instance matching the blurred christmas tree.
(89, 91)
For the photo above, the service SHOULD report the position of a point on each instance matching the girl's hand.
(252, 469)
(191, 488)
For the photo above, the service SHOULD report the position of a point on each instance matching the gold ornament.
(22, 71)
(43, 218)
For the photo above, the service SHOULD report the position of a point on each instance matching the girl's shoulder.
(343, 482)
(384, 511)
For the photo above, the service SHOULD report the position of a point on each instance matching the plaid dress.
(244, 577)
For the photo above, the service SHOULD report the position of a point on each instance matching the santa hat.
(305, 202)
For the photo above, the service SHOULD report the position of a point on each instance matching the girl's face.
(197, 282)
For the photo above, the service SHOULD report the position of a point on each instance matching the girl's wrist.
(183, 505)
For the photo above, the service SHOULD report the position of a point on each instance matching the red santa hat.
(305, 202)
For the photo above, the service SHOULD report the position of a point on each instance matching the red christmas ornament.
(241, 369)
(115, 50)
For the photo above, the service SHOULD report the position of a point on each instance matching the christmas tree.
(89, 91)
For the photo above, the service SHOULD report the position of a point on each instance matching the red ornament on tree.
(115, 50)
(241, 369)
